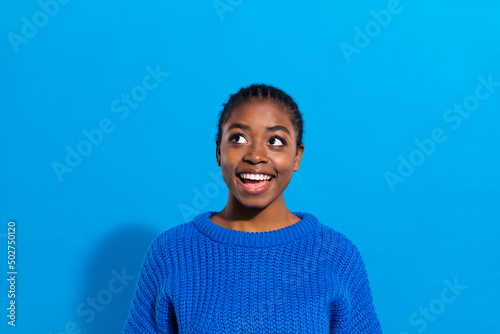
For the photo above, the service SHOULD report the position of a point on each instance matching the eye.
(279, 140)
(236, 136)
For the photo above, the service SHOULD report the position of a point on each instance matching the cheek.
(285, 165)
(227, 171)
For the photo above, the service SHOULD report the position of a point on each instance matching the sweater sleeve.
(149, 297)
(355, 313)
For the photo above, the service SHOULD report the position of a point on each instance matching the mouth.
(255, 184)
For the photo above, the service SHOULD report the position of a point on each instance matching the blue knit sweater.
(199, 277)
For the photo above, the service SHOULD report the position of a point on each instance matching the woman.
(255, 266)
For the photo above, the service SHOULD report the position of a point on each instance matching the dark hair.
(262, 92)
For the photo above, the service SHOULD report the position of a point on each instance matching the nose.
(255, 154)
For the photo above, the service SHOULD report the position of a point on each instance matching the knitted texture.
(199, 277)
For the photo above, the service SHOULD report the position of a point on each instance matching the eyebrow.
(268, 129)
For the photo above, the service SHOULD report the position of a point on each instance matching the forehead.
(258, 113)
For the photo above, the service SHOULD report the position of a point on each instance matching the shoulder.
(179, 236)
(339, 247)
(162, 249)
(336, 238)
(343, 259)
(172, 235)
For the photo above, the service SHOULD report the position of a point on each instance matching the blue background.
(365, 109)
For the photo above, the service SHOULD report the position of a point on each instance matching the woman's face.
(258, 138)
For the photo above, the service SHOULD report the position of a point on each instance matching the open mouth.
(255, 183)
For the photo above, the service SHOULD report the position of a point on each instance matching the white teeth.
(255, 176)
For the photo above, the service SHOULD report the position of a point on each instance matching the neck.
(236, 216)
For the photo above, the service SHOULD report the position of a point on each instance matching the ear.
(298, 157)
(217, 153)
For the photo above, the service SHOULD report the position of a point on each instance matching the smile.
(255, 184)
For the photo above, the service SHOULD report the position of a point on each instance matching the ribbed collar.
(307, 224)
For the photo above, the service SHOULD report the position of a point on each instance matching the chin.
(255, 204)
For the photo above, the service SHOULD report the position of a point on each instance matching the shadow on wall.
(112, 272)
